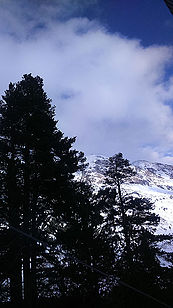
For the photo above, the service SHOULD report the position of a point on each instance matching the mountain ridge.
(152, 180)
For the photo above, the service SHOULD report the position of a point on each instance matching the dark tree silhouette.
(129, 221)
(111, 231)
(37, 168)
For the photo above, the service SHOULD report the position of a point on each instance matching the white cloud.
(109, 90)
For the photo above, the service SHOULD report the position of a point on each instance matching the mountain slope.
(152, 180)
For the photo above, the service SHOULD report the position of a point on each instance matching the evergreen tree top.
(28, 120)
(119, 168)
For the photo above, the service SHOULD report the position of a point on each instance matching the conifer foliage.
(129, 220)
(37, 168)
(89, 234)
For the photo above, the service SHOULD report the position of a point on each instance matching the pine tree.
(130, 224)
(80, 240)
(129, 220)
(37, 167)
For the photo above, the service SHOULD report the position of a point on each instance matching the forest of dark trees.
(61, 242)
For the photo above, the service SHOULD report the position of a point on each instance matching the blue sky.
(147, 20)
(106, 64)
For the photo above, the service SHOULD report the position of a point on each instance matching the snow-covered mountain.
(152, 180)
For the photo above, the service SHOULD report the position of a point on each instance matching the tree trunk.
(124, 225)
(27, 229)
(33, 259)
(14, 245)
(34, 233)
(15, 276)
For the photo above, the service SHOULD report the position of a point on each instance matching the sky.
(107, 65)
